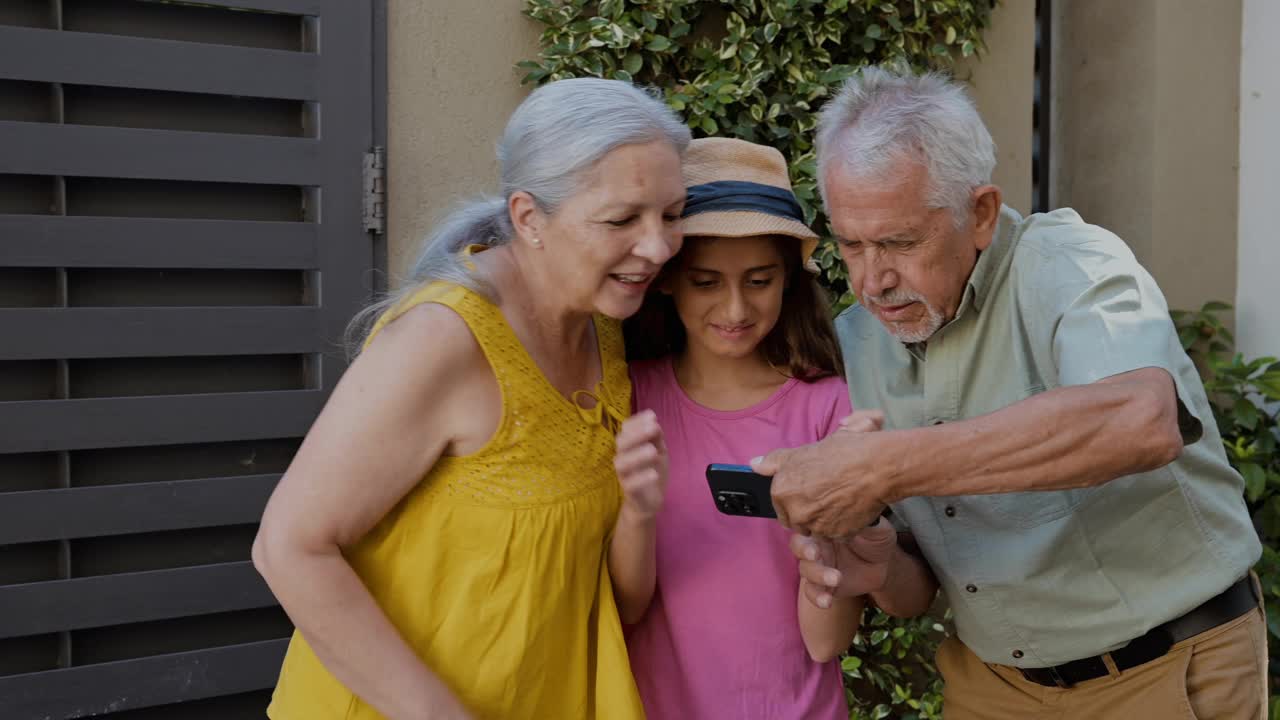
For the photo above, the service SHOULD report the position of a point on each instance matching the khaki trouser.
(1219, 674)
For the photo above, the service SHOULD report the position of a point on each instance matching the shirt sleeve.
(1109, 317)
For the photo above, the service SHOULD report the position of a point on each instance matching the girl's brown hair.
(801, 345)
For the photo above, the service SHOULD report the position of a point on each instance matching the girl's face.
(728, 292)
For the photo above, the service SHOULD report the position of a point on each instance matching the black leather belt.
(1233, 602)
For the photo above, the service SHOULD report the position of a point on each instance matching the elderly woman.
(448, 537)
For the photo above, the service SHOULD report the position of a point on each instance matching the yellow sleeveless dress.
(494, 568)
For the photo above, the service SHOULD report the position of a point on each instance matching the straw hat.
(739, 189)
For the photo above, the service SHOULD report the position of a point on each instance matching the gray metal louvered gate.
(181, 246)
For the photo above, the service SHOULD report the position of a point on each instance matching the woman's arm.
(398, 408)
(641, 463)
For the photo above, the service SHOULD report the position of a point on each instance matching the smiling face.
(610, 239)
(728, 293)
(908, 263)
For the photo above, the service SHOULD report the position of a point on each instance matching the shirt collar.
(985, 271)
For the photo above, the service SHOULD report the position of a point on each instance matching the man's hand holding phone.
(815, 491)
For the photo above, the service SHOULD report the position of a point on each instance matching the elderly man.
(1048, 446)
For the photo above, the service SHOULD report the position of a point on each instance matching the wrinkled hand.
(641, 463)
(830, 488)
(854, 566)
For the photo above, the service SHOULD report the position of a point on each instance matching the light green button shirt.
(1042, 578)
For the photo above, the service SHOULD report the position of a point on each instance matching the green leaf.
(1215, 306)
(658, 44)
(633, 62)
(1269, 384)
(1255, 480)
(771, 31)
(1188, 335)
(874, 32)
(1246, 414)
(951, 35)
(610, 8)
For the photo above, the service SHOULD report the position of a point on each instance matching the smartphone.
(737, 490)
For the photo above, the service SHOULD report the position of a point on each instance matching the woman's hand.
(641, 463)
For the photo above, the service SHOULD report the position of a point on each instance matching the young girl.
(735, 355)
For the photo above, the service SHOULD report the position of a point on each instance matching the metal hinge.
(375, 191)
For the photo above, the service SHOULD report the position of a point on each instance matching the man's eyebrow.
(902, 236)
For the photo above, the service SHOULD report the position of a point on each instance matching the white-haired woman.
(448, 536)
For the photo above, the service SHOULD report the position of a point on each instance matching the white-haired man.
(1048, 447)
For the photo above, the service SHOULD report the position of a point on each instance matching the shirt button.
(949, 511)
(1017, 654)
(971, 588)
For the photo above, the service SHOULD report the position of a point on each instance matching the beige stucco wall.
(1145, 130)
(1003, 86)
(451, 86)
(1257, 324)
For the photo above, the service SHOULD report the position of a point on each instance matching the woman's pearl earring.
(535, 241)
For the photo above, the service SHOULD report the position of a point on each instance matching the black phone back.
(737, 490)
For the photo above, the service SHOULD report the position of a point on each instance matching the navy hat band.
(741, 195)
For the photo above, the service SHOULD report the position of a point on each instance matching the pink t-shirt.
(721, 638)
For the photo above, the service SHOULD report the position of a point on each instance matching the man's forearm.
(909, 587)
(1069, 437)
